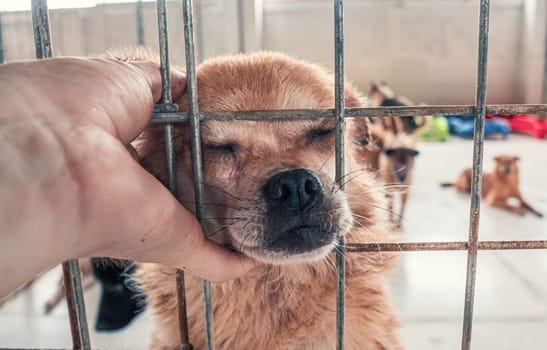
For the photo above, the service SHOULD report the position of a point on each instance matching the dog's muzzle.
(295, 202)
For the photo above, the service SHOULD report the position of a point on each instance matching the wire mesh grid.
(167, 113)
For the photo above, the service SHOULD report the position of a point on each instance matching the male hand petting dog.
(69, 186)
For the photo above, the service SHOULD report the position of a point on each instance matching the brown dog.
(498, 186)
(391, 154)
(397, 169)
(270, 193)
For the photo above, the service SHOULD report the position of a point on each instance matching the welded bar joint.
(478, 144)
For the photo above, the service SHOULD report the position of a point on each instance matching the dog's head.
(269, 185)
(506, 165)
(381, 95)
(401, 161)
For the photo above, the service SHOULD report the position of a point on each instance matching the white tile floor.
(427, 288)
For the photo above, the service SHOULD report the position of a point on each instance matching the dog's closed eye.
(317, 134)
(225, 148)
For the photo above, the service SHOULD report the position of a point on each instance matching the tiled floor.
(427, 288)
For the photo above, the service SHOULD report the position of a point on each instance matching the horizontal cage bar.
(436, 246)
(459, 110)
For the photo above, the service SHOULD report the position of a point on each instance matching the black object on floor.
(120, 302)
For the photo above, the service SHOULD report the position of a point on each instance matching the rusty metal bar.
(506, 109)
(436, 246)
(478, 145)
(71, 270)
(169, 138)
(76, 307)
(195, 143)
(545, 63)
(339, 109)
(1, 41)
(40, 24)
(140, 24)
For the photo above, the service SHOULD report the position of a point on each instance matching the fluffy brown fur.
(498, 186)
(289, 301)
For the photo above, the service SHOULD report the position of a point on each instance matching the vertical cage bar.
(240, 26)
(169, 137)
(340, 126)
(40, 24)
(76, 307)
(1, 41)
(198, 15)
(71, 270)
(140, 24)
(478, 145)
(545, 62)
(195, 142)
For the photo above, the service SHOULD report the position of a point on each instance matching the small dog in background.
(381, 95)
(498, 186)
(391, 150)
(396, 168)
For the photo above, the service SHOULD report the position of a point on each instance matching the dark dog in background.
(381, 95)
(498, 186)
(119, 303)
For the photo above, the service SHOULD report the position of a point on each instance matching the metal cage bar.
(1, 41)
(71, 270)
(436, 246)
(195, 143)
(169, 138)
(240, 26)
(478, 145)
(198, 16)
(140, 24)
(339, 109)
(376, 112)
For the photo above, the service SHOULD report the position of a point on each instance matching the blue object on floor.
(464, 126)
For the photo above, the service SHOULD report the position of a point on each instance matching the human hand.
(70, 187)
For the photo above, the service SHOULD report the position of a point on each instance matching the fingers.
(191, 251)
(216, 263)
(150, 225)
(136, 86)
(152, 73)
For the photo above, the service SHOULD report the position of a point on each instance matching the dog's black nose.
(294, 191)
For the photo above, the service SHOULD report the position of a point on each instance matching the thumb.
(159, 229)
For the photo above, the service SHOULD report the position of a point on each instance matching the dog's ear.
(420, 121)
(498, 158)
(516, 158)
(360, 131)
